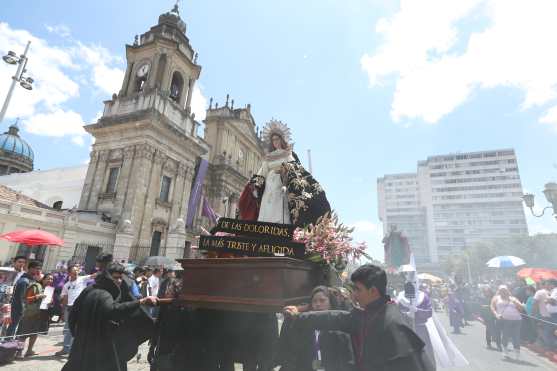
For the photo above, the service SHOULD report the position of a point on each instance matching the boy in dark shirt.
(381, 338)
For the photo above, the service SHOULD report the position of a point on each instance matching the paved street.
(471, 343)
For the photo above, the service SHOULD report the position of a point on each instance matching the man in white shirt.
(19, 265)
(155, 281)
(71, 290)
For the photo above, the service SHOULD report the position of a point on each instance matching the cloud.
(198, 103)
(57, 123)
(439, 52)
(59, 73)
(48, 65)
(59, 29)
(104, 76)
(78, 140)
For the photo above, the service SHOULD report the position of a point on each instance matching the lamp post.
(550, 193)
(25, 82)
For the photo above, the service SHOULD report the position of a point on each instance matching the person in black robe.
(382, 341)
(94, 320)
(139, 326)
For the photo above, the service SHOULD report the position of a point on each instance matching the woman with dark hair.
(282, 191)
(309, 349)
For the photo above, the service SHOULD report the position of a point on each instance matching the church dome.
(16, 155)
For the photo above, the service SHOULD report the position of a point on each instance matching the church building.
(150, 171)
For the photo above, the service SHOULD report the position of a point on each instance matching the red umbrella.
(537, 274)
(32, 237)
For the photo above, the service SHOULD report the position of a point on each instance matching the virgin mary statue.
(282, 191)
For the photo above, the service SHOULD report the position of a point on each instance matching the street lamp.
(25, 81)
(550, 193)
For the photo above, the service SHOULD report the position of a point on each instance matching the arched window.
(57, 205)
(176, 86)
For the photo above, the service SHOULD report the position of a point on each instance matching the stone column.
(89, 179)
(176, 241)
(123, 180)
(152, 194)
(98, 181)
(123, 242)
(138, 187)
(190, 93)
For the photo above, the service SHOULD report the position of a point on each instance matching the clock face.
(143, 70)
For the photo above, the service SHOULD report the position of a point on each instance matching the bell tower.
(162, 59)
(146, 142)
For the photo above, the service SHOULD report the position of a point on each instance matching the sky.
(370, 86)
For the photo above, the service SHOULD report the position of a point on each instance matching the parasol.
(159, 261)
(537, 274)
(429, 277)
(505, 262)
(32, 237)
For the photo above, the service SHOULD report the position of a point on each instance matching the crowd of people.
(520, 314)
(113, 310)
(514, 313)
(30, 311)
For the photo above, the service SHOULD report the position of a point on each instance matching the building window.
(57, 205)
(155, 243)
(176, 87)
(112, 180)
(165, 188)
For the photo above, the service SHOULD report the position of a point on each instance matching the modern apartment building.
(453, 201)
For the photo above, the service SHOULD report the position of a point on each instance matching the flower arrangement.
(329, 242)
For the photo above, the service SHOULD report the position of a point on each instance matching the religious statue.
(282, 191)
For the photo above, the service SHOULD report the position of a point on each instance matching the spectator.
(492, 331)
(20, 262)
(35, 320)
(552, 307)
(540, 307)
(456, 310)
(71, 290)
(529, 323)
(168, 285)
(506, 309)
(60, 279)
(145, 285)
(154, 281)
(18, 302)
(137, 282)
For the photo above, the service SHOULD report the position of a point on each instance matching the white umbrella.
(505, 262)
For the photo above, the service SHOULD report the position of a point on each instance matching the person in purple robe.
(418, 310)
(60, 278)
(456, 310)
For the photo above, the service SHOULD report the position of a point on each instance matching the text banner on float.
(243, 246)
(273, 231)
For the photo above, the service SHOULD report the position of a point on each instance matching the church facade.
(147, 153)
